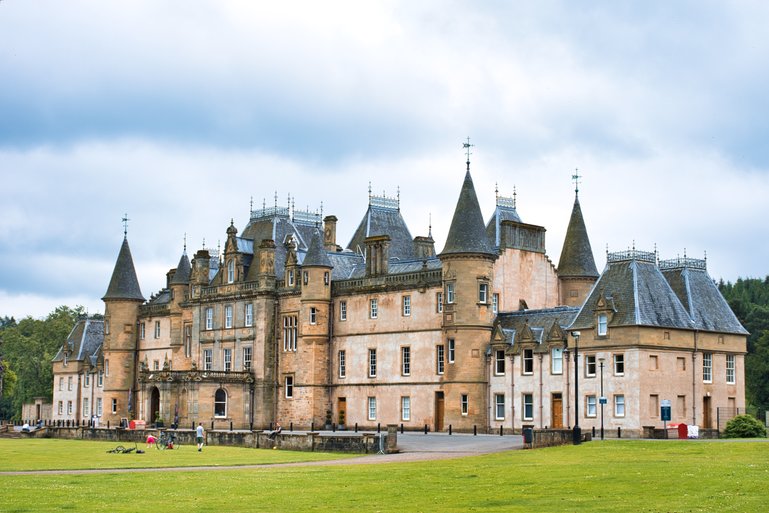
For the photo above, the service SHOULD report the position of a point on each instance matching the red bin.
(683, 432)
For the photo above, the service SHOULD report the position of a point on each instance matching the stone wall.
(357, 443)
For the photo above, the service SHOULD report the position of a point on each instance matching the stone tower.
(576, 269)
(315, 322)
(121, 309)
(468, 272)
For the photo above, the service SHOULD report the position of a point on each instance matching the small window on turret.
(449, 293)
(305, 277)
(483, 293)
(326, 278)
(290, 278)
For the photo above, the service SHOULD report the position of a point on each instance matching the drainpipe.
(568, 388)
(512, 390)
(694, 380)
(541, 396)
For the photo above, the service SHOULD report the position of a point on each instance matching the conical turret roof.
(316, 254)
(467, 233)
(183, 271)
(124, 284)
(577, 256)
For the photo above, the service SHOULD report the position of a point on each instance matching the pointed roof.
(383, 217)
(183, 271)
(316, 255)
(637, 294)
(467, 233)
(124, 284)
(577, 256)
(689, 279)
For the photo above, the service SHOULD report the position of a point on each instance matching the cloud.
(180, 116)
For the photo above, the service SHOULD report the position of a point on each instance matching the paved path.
(413, 447)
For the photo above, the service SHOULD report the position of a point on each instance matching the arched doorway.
(154, 405)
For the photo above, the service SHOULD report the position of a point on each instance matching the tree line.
(749, 299)
(26, 350)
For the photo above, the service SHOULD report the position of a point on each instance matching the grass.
(56, 454)
(639, 476)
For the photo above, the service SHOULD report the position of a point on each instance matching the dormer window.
(528, 361)
(231, 271)
(603, 321)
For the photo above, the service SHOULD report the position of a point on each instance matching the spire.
(183, 270)
(316, 254)
(123, 284)
(577, 255)
(467, 233)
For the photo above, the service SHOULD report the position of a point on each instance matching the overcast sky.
(178, 113)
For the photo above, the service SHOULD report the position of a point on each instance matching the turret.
(121, 309)
(315, 326)
(576, 269)
(468, 272)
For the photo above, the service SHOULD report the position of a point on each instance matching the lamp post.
(601, 399)
(577, 433)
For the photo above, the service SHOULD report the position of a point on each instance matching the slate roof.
(540, 322)
(637, 293)
(316, 255)
(124, 284)
(276, 224)
(577, 256)
(384, 219)
(700, 296)
(183, 271)
(83, 342)
(467, 233)
(505, 211)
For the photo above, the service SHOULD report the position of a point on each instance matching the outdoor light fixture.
(577, 434)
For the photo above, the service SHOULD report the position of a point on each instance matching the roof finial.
(515, 197)
(264, 205)
(496, 192)
(369, 192)
(576, 176)
(204, 243)
(251, 205)
(321, 211)
(185, 242)
(706, 257)
(467, 147)
(276, 201)
(430, 225)
(399, 197)
(125, 224)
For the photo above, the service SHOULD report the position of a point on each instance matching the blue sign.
(665, 412)
(602, 400)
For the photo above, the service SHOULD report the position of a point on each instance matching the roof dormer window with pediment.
(231, 270)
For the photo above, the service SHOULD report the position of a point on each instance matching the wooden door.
(706, 417)
(439, 408)
(341, 408)
(557, 411)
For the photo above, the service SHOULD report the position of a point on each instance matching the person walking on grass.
(200, 432)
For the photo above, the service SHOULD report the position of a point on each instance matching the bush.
(744, 426)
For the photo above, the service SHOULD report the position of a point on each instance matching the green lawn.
(636, 476)
(55, 454)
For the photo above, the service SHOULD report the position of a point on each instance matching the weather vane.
(576, 176)
(467, 146)
(125, 225)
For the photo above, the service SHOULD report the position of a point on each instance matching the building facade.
(285, 325)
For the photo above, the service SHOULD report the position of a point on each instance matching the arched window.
(220, 403)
